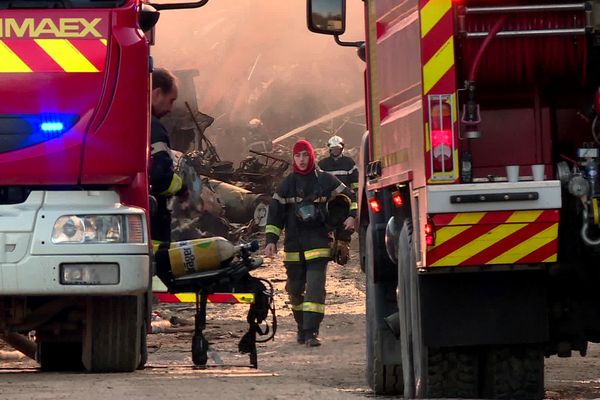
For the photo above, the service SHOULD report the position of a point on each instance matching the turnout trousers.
(306, 290)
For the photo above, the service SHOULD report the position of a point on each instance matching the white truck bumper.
(40, 276)
(30, 261)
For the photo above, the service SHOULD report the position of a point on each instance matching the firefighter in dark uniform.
(164, 182)
(299, 207)
(345, 170)
(257, 139)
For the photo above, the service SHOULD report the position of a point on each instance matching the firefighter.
(257, 139)
(299, 207)
(345, 170)
(164, 182)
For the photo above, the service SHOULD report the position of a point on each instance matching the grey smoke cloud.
(256, 58)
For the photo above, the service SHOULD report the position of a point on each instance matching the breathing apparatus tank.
(198, 255)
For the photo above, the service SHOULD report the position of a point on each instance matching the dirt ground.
(286, 370)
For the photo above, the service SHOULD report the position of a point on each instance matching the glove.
(341, 252)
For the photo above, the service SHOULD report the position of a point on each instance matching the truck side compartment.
(483, 167)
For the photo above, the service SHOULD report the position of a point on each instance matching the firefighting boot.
(311, 339)
(298, 316)
(300, 337)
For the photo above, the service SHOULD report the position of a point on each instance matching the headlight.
(98, 229)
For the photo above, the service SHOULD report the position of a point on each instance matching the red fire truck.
(479, 218)
(74, 119)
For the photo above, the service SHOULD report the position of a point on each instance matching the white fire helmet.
(255, 123)
(335, 141)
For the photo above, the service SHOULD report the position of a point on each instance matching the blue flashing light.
(52, 127)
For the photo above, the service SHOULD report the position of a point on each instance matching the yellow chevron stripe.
(431, 14)
(467, 218)
(186, 297)
(524, 216)
(104, 41)
(10, 62)
(246, 298)
(476, 246)
(552, 258)
(438, 65)
(527, 247)
(448, 232)
(66, 55)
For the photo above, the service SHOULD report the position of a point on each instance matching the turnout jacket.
(343, 168)
(164, 182)
(304, 241)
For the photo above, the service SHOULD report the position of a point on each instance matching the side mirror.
(148, 17)
(326, 16)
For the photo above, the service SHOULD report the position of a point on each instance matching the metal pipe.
(531, 8)
(178, 6)
(21, 343)
(532, 32)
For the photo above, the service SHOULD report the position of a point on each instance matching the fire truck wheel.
(59, 356)
(362, 238)
(428, 373)
(514, 372)
(144, 329)
(383, 379)
(112, 340)
(405, 264)
(452, 373)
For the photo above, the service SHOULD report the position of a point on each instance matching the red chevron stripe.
(226, 298)
(496, 217)
(549, 216)
(93, 50)
(507, 243)
(540, 254)
(475, 231)
(437, 36)
(222, 298)
(446, 85)
(443, 219)
(166, 297)
(33, 55)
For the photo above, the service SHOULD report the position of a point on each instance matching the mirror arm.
(178, 6)
(347, 44)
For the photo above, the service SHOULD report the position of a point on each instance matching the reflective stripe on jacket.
(292, 193)
(343, 168)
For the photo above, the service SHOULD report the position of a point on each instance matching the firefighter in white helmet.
(345, 170)
(257, 139)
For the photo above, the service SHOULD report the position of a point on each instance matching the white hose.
(594, 123)
(584, 229)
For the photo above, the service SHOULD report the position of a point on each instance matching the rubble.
(226, 200)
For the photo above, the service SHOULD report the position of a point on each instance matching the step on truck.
(75, 254)
(479, 218)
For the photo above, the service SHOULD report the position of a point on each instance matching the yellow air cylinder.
(199, 255)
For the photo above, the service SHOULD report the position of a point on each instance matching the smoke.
(257, 59)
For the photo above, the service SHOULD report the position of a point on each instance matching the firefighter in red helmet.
(299, 206)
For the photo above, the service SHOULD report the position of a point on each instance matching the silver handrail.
(530, 8)
(531, 32)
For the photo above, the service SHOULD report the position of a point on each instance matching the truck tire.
(112, 339)
(146, 316)
(382, 379)
(428, 372)
(514, 372)
(452, 373)
(362, 248)
(59, 356)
